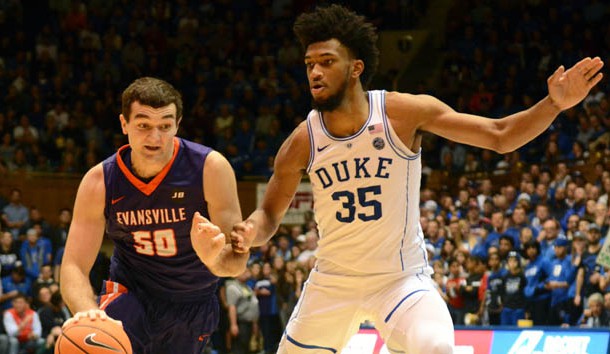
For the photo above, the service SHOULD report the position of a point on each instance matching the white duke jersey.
(366, 196)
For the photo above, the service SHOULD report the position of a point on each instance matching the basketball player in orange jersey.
(362, 152)
(153, 199)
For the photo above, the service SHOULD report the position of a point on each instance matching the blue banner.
(535, 341)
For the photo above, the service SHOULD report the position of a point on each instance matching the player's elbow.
(503, 150)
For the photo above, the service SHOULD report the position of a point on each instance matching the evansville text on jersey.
(151, 216)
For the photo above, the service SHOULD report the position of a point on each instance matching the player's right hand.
(207, 240)
(93, 314)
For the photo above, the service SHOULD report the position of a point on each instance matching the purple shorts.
(156, 326)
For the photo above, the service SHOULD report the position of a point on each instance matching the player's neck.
(352, 113)
(148, 169)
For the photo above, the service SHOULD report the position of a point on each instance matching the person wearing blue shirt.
(520, 221)
(586, 282)
(14, 284)
(537, 296)
(35, 253)
(551, 230)
(15, 214)
(497, 228)
(561, 276)
(495, 282)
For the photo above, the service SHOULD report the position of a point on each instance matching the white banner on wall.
(301, 205)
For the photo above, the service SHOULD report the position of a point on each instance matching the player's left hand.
(242, 236)
(93, 314)
(568, 87)
(207, 240)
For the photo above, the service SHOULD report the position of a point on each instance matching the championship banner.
(301, 205)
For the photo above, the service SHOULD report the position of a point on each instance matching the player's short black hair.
(152, 92)
(349, 28)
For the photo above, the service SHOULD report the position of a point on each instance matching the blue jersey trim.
(386, 125)
(308, 346)
(311, 145)
(400, 303)
(362, 129)
(404, 230)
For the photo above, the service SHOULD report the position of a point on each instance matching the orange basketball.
(93, 337)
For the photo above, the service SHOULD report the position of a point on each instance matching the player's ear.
(178, 120)
(123, 124)
(357, 68)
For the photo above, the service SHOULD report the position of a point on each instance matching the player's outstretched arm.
(566, 89)
(82, 246)
(290, 164)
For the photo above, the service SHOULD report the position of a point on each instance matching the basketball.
(93, 337)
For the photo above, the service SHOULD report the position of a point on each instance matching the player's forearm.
(265, 227)
(76, 290)
(520, 128)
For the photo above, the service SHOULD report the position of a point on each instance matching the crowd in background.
(502, 252)
(236, 63)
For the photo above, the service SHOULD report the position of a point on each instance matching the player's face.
(328, 71)
(151, 132)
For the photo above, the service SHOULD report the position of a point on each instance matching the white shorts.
(332, 307)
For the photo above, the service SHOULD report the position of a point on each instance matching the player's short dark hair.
(152, 92)
(349, 28)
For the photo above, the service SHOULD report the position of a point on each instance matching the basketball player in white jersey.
(362, 153)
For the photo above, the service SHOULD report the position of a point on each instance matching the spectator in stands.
(505, 246)
(537, 296)
(454, 286)
(311, 245)
(577, 203)
(45, 279)
(41, 298)
(52, 317)
(588, 271)
(519, 221)
(513, 298)
(9, 255)
(572, 226)
(498, 227)
(541, 215)
(269, 314)
(35, 253)
(243, 312)
(22, 324)
(561, 276)
(579, 247)
(14, 284)
(36, 218)
(15, 214)
(59, 233)
(495, 284)
(475, 267)
(595, 316)
(432, 235)
(550, 232)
